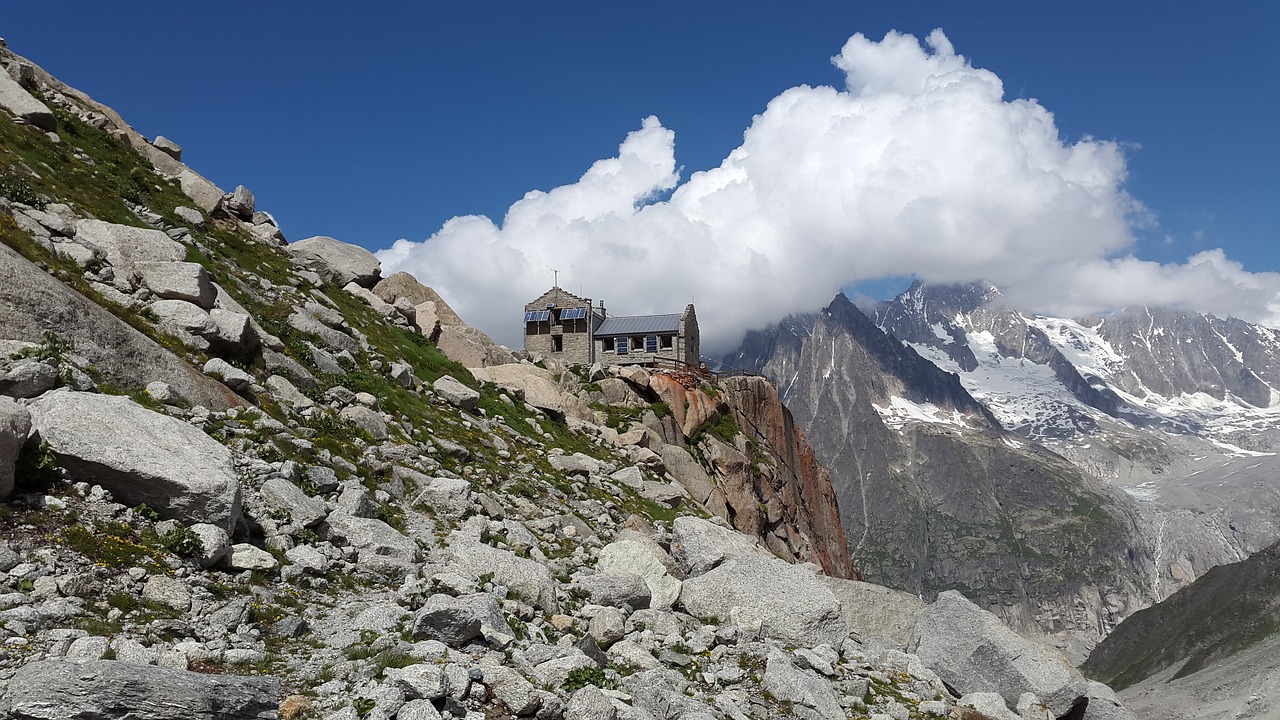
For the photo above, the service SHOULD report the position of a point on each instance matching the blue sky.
(375, 121)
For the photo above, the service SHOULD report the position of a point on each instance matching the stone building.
(563, 326)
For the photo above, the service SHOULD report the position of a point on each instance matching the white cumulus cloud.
(918, 166)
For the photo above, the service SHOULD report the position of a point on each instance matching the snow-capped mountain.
(1063, 473)
(1060, 380)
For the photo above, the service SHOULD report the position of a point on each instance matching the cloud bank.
(918, 166)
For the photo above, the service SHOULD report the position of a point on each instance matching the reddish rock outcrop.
(691, 407)
(775, 486)
(766, 481)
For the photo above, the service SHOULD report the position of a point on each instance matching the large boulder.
(972, 651)
(455, 393)
(178, 281)
(527, 579)
(455, 621)
(616, 590)
(196, 186)
(788, 683)
(28, 378)
(15, 423)
(126, 246)
(240, 203)
(366, 419)
(693, 478)
(307, 321)
(537, 386)
(471, 348)
(22, 104)
(404, 285)
(32, 302)
(645, 560)
(768, 597)
(698, 545)
(380, 548)
(873, 610)
(140, 456)
(338, 262)
(110, 690)
(284, 496)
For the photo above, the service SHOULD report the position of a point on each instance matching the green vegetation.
(52, 347)
(1226, 610)
(582, 677)
(183, 542)
(116, 545)
(725, 428)
(36, 469)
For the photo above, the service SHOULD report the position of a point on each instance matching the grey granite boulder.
(284, 496)
(381, 550)
(244, 556)
(191, 216)
(366, 419)
(972, 651)
(234, 331)
(457, 621)
(230, 375)
(168, 591)
(874, 610)
(240, 203)
(185, 321)
(110, 690)
(770, 598)
(698, 545)
(307, 322)
(527, 579)
(125, 246)
(446, 497)
(287, 393)
(337, 262)
(214, 543)
(588, 703)
(1104, 705)
(686, 470)
(788, 683)
(455, 393)
(32, 302)
(22, 104)
(616, 590)
(646, 560)
(178, 281)
(140, 456)
(15, 423)
(28, 378)
(168, 147)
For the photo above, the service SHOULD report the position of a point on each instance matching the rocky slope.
(249, 479)
(1214, 640)
(935, 495)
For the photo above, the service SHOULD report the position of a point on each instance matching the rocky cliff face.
(1171, 352)
(934, 494)
(781, 492)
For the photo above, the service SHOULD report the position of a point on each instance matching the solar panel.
(622, 346)
(651, 344)
(537, 316)
(573, 313)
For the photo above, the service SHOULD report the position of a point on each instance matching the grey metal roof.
(639, 325)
